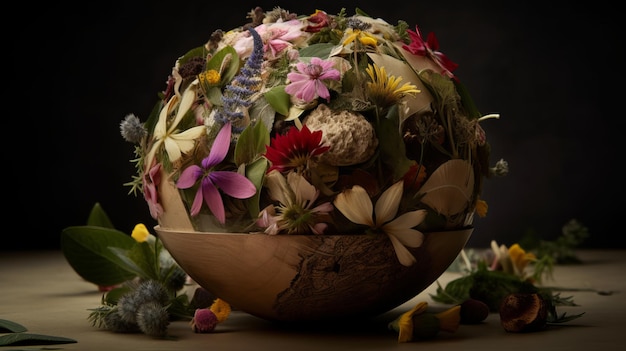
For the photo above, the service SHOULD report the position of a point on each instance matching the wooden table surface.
(41, 291)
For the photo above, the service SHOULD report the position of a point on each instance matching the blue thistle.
(237, 94)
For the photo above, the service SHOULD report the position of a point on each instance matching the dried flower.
(418, 324)
(132, 129)
(203, 321)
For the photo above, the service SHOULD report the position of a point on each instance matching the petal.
(321, 89)
(172, 149)
(405, 257)
(304, 191)
(189, 176)
(185, 140)
(233, 184)
(388, 203)
(197, 203)
(407, 220)
(155, 146)
(278, 188)
(213, 199)
(220, 147)
(408, 237)
(189, 96)
(356, 205)
(404, 324)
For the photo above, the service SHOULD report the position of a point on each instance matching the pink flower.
(430, 49)
(212, 181)
(276, 38)
(308, 83)
(203, 321)
(150, 183)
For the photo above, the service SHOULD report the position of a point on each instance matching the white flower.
(357, 206)
(175, 143)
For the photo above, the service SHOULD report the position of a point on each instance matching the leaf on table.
(87, 250)
(33, 339)
(7, 326)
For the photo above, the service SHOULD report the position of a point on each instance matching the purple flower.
(211, 181)
(308, 83)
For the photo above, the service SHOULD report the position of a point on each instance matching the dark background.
(552, 73)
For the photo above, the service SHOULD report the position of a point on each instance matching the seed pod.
(520, 313)
(473, 311)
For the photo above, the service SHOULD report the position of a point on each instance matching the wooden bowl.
(299, 278)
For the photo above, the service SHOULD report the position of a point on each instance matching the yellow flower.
(221, 309)
(357, 206)
(404, 324)
(209, 77)
(363, 37)
(175, 143)
(140, 233)
(418, 324)
(481, 208)
(385, 90)
(520, 258)
(450, 319)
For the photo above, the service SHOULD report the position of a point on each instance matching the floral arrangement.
(144, 290)
(315, 124)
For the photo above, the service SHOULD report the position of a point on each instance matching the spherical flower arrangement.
(314, 125)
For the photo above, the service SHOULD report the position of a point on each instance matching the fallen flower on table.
(206, 319)
(418, 324)
(508, 275)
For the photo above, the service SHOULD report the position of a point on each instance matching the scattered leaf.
(33, 339)
(87, 250)
(11, 327)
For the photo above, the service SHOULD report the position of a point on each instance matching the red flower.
(317, 21)
(429, 48)
(294, 149)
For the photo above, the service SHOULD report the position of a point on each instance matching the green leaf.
(33, 339)
(99, 218)
(255, 172)
(467, 101)
(86, 249)
(226, 62)
(321, 50)
(139, 259)
(251, 143)
(392, 149)
(278, 99)
(7, 326)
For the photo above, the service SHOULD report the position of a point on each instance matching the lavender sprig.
(237, 94)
